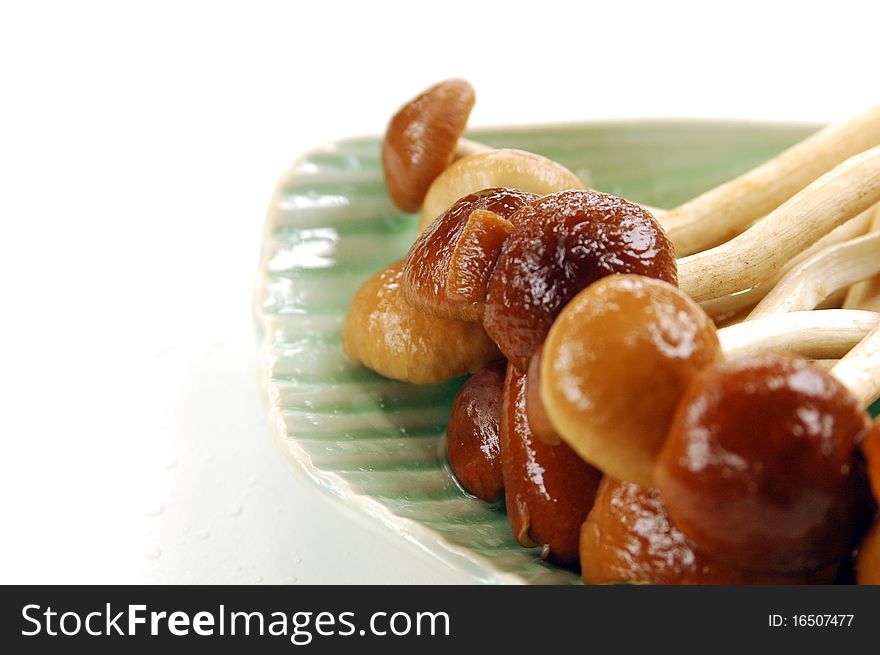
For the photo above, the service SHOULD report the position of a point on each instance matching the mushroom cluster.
(657, 396)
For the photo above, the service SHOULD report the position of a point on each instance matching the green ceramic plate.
(375, 444)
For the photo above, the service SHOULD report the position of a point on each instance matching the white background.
(139, 143)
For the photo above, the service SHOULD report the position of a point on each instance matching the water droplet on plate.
(235, 509)
(153, 553)
(202, 535)
(154, 509)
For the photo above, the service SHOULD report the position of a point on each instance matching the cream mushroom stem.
(816, 279)
(726, 210)
(859, 370)
(822, 334)
(759, 253)
(866, 295)
(733, 303)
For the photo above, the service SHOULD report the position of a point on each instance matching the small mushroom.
(447, 269)
(422, 138)
(472, 433)
(724, 211)
(548, 489)
(514, 169)
(628, 337)
(388, 335)
(759, 468)
(756, 255)
(628, 538)
(559, 245)
(830, 270)
(615, 365)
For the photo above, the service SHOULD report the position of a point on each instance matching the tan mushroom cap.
(421, 138)
(614, 366)
(388, 335)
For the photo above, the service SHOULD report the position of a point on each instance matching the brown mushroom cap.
(420, 140)
(759, 466)
(548, 490)
(472, 433)
(427, 269)
(388, 335)
(615, 365)
(561, 244)
(628, 538)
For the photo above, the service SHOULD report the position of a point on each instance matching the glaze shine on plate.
(376, 445)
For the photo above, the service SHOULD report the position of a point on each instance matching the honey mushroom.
(615, 364)
(422, 141)
(423, 138)
(548, 489)
(622, 352)
(726, 210)
(472, 433)
(759, 468)
(628, 538)
(560, 244)
(385, 333)
(446, 270)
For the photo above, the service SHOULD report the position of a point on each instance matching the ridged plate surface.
(375, 444)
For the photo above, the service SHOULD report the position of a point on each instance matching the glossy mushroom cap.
(628, 538)
(420, 140)
(559, 245)
(447, 269)
(388, 335)
(548, 489)
(614, 366)
(760, 468)
(472, 433)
